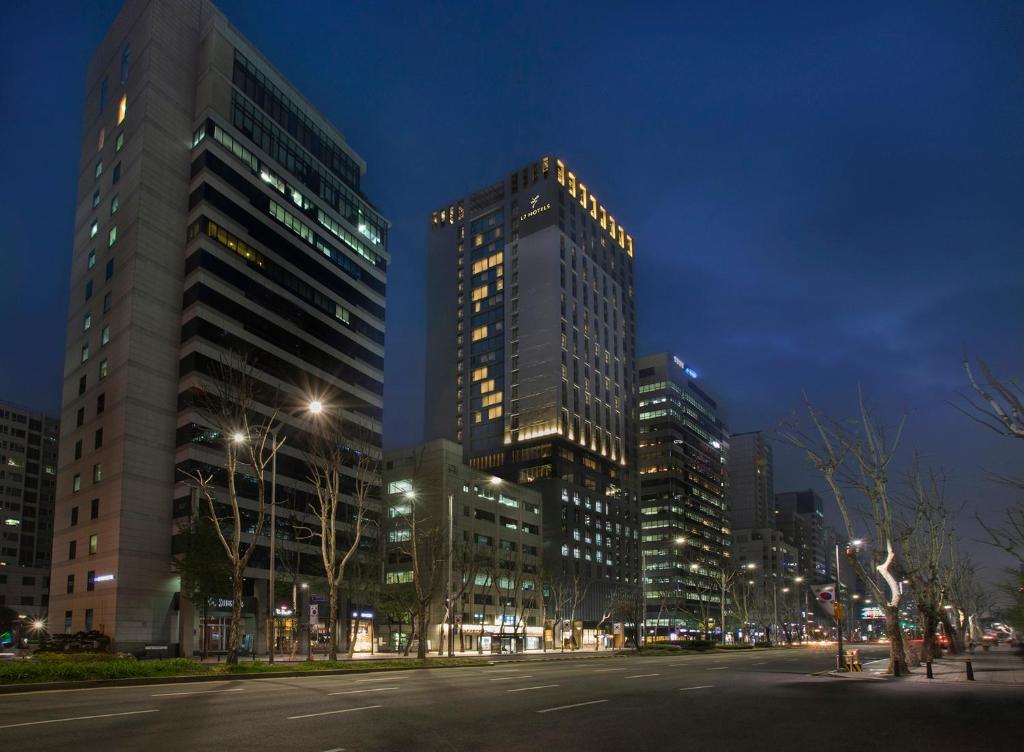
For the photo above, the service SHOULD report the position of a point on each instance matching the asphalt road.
(751, 701)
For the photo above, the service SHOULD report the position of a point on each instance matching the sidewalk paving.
(997, 666)
(343, 656)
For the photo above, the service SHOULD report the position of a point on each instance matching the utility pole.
(273, 540)
(839, 623)
(722, 603)
(451, 618)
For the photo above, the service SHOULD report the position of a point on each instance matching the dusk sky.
(821, 195)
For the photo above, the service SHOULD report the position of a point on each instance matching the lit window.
(399, 486)
(105, 335)
(99, 169)
(122, 109)
(479, 333)
(91, 260)
(93, 229)
(479, 373)
(104, 369)
(87, 322)
(112, 237)
(119, 141)
(76, 483)
(97, 476)
(85, 353)
(494, 412)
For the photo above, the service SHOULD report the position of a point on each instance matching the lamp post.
(314, 407)
(803, 622)
(750, 567)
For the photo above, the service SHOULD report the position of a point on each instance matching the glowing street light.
(315, 407)
(238, 437)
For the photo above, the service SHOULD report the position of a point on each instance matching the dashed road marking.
(333, 712)
(574, 705)
(527, 689)
(701, 686)
(77, 718)
(361, 691)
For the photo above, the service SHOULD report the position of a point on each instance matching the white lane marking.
(383, 678)
(201, 692)
(717, 668)
(759, 664)
(77, 718)
(335, 749)
(640, 676)
(361, 691)
(702, 686)
(602, 670)
(527, 689)
(574, 705)
(333, 712)
(506, 678)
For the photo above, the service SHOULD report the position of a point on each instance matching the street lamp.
(314, 407)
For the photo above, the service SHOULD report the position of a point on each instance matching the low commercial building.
(496, 540)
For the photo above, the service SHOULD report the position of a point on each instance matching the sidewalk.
(996, 666)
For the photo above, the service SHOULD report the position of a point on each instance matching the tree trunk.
(421, 629)
(897, 650)
(929, 648)
(353, 631)
(332, 598)
(235, 635)
(408, 643)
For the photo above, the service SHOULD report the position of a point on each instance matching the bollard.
(970, 670)
(929, 667)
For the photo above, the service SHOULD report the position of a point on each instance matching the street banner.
(825, 595)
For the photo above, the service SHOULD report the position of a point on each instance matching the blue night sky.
(821, 194)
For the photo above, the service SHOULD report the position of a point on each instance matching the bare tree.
(626, 603)
(467, 562)
(856, 457)
(996, 404)
(344, 470)
(425, 548)
(926, 547)
(244, 433)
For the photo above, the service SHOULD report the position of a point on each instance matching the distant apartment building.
(219, 216)
(800, 517)
(28, 473)
(684, 451)
(531, 361)
(496, 532)
(751, 481)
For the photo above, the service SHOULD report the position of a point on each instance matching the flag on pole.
(825, 595)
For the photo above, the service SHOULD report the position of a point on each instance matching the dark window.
(88, 289)
(110, 269)
(101, 403)
(90, 580)
(71, 583)
(94, 509)
(72, 549)
(116, 175)
(80, 418)
(81, 384)
(74, 516)
(99, 439)
(78, 449)
(124, 77)
(106, 302)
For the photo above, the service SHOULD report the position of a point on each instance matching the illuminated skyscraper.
(531, 362)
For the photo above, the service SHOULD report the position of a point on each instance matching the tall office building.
(28, 474)
(800, 516)
(218, 212)
(531, 359)
(684, 453)
(751, 481)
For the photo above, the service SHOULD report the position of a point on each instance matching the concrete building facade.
(800, 516)
(497, 534)
(219, 216)
(751, 481)
(28, 474)
(531, 362)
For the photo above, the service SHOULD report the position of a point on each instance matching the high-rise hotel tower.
(219, 214)
(531, 361)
